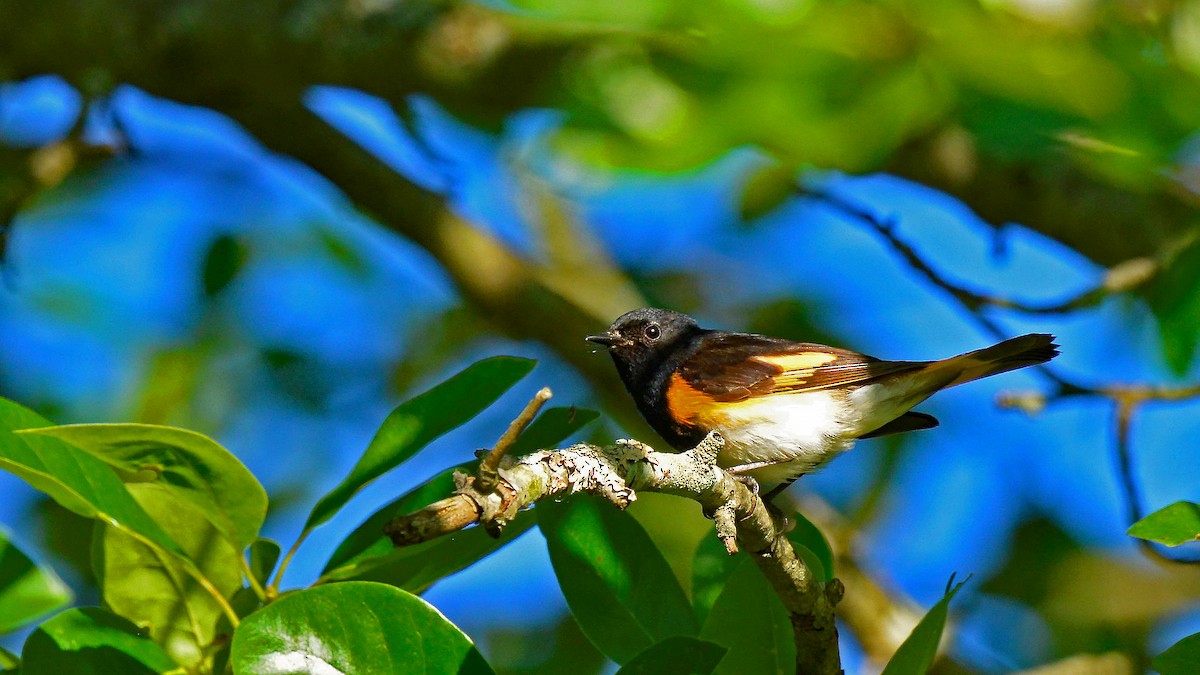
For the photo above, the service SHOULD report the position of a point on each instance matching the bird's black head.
(639, 340)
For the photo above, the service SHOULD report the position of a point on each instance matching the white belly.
(777, 438)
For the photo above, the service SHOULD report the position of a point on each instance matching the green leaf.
(1181, 658)
(27, 590)
(367, 541)
(1172, 525)
(73, 478)
(551, 428)
(154, 590)
(353, 627)
(418, 421)
(751, 622)
(225, 258)
(812, 547)
(677, 655)
(919, 649)
(264, 553)
(91, 641)
(711, 567)
(192, 466)
(616, 582)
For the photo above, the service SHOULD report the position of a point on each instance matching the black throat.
(648, 374)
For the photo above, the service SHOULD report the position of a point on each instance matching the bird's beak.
(606, 339)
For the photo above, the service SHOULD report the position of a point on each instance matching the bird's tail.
(1018, 352)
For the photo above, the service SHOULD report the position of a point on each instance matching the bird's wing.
(731, 367)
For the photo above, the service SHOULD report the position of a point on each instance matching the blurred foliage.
(1076, 118)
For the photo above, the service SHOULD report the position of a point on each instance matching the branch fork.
(616, 473)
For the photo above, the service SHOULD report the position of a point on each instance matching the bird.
(784, 408)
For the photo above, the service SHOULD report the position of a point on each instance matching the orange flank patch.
(687, 405)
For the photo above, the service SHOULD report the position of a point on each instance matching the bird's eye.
(652, 332)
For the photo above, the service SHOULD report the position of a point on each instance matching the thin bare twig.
(488, 466)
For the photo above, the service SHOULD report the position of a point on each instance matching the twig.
(1122, 277)
(487, 475)
(1126, 398)
(616, 473)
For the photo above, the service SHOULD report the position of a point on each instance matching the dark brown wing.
(735, 366)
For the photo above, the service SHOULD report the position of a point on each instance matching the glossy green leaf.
(550, 428)
(27, 590)
(749, 620)
(91, 641)
(616, 582)
(193, 466)
(353, 627)
(711, 567)
(264, 554)
(1172, 525)
(677, 655)
(418, 421)
(1181, 658)
(154, 590)
(918, 651)
(73, 478)
(812, 547)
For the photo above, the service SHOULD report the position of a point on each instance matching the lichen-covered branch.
(617, 473)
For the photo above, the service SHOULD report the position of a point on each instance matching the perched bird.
(784, 408)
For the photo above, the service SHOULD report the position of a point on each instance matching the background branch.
(1126, 398)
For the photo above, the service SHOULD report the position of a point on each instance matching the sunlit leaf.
(677, 655)
(418, 421)
(154, 590)
(1172, 525)
(73, 478)
(91, 641)
(190, 465)
(27, 590)
(1181, 658)
(616, 582)
(919, 649)
(751, 622)
(352, 627)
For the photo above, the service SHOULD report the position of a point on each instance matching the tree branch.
(1126, 398)
(616, 473)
